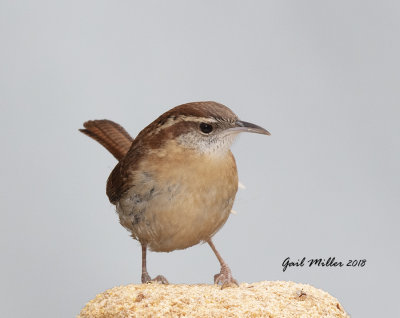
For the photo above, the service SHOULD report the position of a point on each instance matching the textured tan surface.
(263, 299)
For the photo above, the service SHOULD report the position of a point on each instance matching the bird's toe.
(160, 279)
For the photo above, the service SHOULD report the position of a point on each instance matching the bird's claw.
(160, 279)
(146, 279)
(225, 279)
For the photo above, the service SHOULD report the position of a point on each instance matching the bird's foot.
(146, 279)
(225, 279)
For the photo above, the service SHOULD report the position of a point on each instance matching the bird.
(174, 184)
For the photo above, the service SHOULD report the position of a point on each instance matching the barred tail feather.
(109, 134)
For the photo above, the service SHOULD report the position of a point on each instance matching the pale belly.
(176, 209)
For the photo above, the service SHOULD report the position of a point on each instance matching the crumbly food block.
(278, 299)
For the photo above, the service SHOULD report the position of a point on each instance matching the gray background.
(322, 76)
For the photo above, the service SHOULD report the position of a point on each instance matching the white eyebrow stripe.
(172, 121)
(198, 119)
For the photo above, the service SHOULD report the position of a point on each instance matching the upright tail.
(111, 135)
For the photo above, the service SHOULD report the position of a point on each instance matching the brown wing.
(116, 184)
(111, 135)
(120, 179)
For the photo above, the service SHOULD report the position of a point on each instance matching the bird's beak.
(244, 126)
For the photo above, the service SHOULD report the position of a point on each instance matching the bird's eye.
(206, 128)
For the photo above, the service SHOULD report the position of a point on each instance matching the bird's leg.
(145, 276)
(224, 277)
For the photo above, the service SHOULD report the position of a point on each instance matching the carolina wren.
(175, 183)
